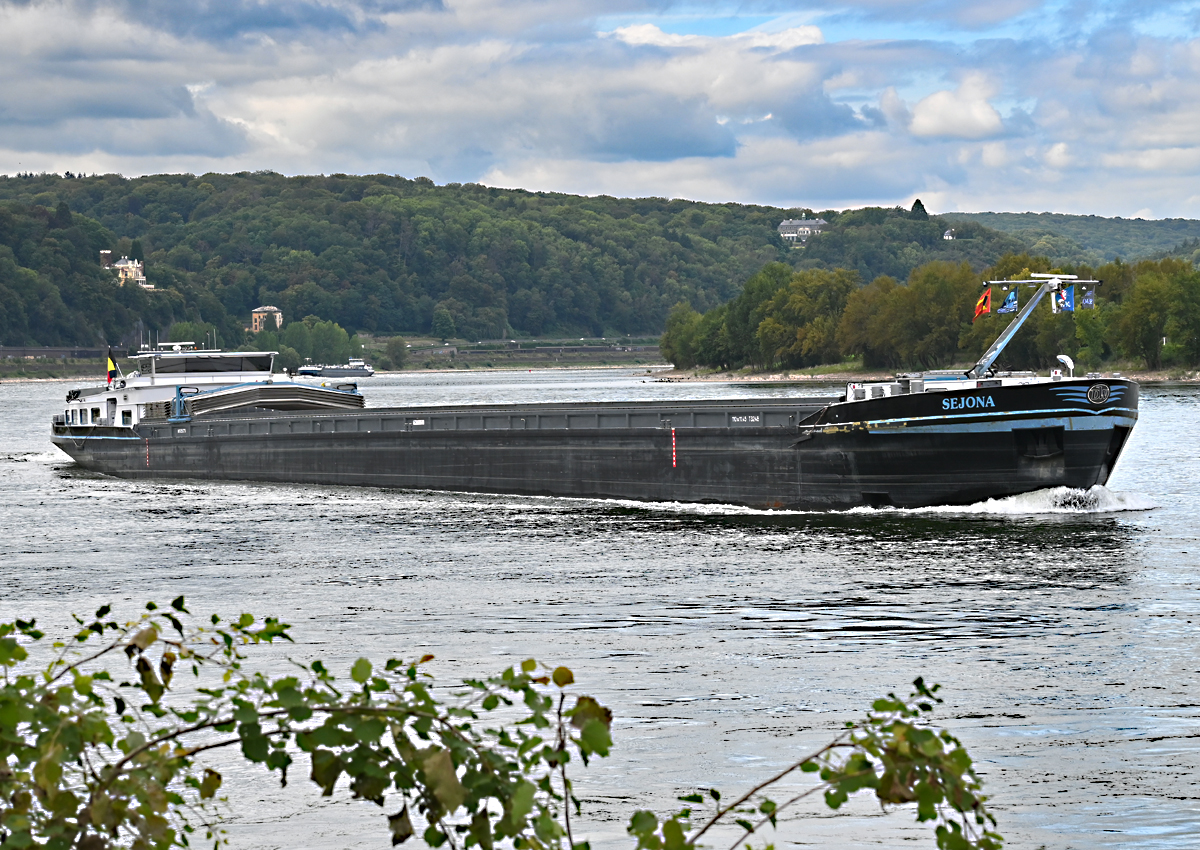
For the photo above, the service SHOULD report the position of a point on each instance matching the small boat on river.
(932, 438)
(356, 368)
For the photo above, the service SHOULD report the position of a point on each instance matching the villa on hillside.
(128, 271)
(799, 229)
(261, 316)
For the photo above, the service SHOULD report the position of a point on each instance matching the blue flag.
(1010, 303)
(1064, 300)
(1088, 301)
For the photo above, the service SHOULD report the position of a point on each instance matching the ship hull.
(774, 453)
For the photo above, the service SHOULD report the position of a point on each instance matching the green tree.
(918, 213)
(1183, 327)
(330, 343)
(679, 340)
(443, 324)
(799, 325)
(863, 327)
(397, 352)
(298, 337)
(201, 333)
(62, 216)
(1141, 323)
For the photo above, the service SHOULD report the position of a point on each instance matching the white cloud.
(641, 34)
(963, 113)
(530, 93)
(1059, 156)
(994, 155)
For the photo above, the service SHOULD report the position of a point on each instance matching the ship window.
(214, 363)
(70, 416)
(95, 414)
(126, 417)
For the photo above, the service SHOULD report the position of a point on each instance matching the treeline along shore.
(351, 258)
(1146, 312)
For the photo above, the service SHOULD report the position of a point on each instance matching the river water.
(727, 641)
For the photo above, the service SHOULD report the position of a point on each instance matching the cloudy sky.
(1074, 106)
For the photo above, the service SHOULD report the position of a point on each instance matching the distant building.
(799, 229)
(128, 271)
(948, 235)
(261, 316)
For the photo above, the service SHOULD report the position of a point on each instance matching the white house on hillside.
(128, 271)
(799, 229)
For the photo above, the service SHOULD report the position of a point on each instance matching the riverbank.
(834, 375)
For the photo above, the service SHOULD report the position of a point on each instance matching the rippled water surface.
(1064, 630)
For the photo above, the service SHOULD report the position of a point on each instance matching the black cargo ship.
(928, 439)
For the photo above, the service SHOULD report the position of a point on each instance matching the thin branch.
(721, 812)
(562, 767)
(83, 661)
(209, 724)
(781, 807)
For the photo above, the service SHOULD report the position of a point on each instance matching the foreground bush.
(102, 737)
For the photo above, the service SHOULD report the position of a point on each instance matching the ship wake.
(1053, 500)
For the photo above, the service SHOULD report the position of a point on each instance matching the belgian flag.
(984, 304)
(112, 367)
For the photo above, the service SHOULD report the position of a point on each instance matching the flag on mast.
(1063, 301)
(111, 367)
(984, 304)
(1010, 303)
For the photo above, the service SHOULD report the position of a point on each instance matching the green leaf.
(528, 665)
(745, 824)
(587, 709)
(401, 826)
(150, 683)
(714, 793)
(209, 784)
(643, 822)
(255, 745)
(326, 768)
(370, 729)
(177, 604)
(442, 779)
(481, 829)
(562, 676)
(11, 652)
(361, 671)
(144, 638)
(673, 835)
(692, 798)
(521, 802)
(596, 738)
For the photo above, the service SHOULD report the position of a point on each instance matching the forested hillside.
(52, 289)
(385, 254)
(382, 253)
(1087, 238)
